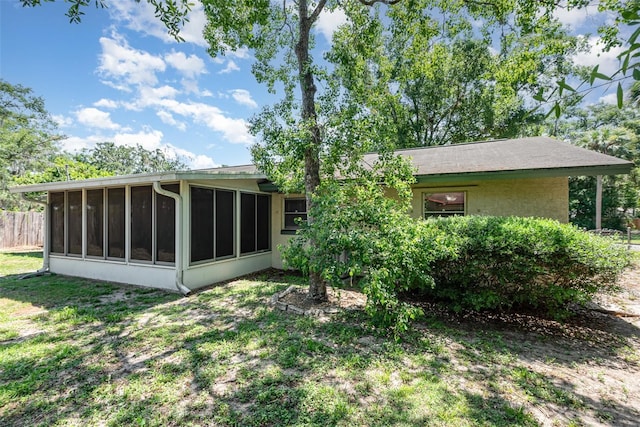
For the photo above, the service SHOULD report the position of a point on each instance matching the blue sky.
(118, 77)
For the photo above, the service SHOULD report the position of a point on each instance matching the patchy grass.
(82, 352)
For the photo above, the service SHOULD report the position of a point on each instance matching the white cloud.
(62, 121)
(141, 17)
(611, 98)
(106, 103)
(127, 66)
(94, 118)
(190, 66)
(149, 140)
(202, 162)
(608, 61)
(576, 17)
(243, 97)
(74, 144)
(328, 23)
(191, 86)
(231, 66)
(168, 118)
(233, 130)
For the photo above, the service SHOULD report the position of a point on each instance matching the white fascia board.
(112, 181)
(109, 181)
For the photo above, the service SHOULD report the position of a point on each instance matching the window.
(95, 223)
(141, 223)
(201, 224)
(56, 206)
(115, 222)
(212, 224)
(263, 222)
(444, 204)
(225, 223)
(166, 225)
(247, 223)
(254, 222)
(152, 223)
(294, 209)
(74, 222)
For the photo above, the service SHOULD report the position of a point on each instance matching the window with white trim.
(444, 204)
(295, 211)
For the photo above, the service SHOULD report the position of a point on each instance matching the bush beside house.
(472, 262)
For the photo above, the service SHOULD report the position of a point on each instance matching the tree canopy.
(438, 77)
(28, 137)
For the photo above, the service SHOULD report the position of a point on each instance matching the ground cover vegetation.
(77, 352)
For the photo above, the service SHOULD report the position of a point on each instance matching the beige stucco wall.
(277, 224)
(535, 197)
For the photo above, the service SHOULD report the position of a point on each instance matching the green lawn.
(81, 352)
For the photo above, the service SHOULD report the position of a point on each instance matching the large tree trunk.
(317, 286)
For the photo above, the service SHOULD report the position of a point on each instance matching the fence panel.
(19, 229)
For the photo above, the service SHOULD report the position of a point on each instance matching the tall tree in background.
(295, 147)
(28, 137)
(442, 73)
(126, 159)
(609, 130)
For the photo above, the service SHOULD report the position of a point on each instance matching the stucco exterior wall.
(534, 197)
(277, 225)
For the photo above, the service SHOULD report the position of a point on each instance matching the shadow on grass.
(118, 355)
(220, 357)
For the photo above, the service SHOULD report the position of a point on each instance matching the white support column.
(599, 202)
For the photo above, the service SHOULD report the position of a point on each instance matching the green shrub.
(505, 262)
(473, 262)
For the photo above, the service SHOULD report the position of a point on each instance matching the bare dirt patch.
(339, 299)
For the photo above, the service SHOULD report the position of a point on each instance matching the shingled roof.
(535, 156)
(504, 159)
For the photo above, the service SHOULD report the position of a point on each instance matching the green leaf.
(592, 76)
(634, 36)
(556, 110)
(539, 96)
(636, 74)
(620, 95)
(565, 86)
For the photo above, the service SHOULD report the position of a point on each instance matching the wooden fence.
(20, 229)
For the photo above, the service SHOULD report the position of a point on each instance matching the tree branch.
(317, 10)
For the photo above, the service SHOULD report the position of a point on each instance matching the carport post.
(599, 202)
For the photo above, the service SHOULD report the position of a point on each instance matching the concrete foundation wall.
(154, 276)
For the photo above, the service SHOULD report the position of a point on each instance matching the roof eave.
(615, 169)
(113, 181)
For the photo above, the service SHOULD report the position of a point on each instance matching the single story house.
(185, 230)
